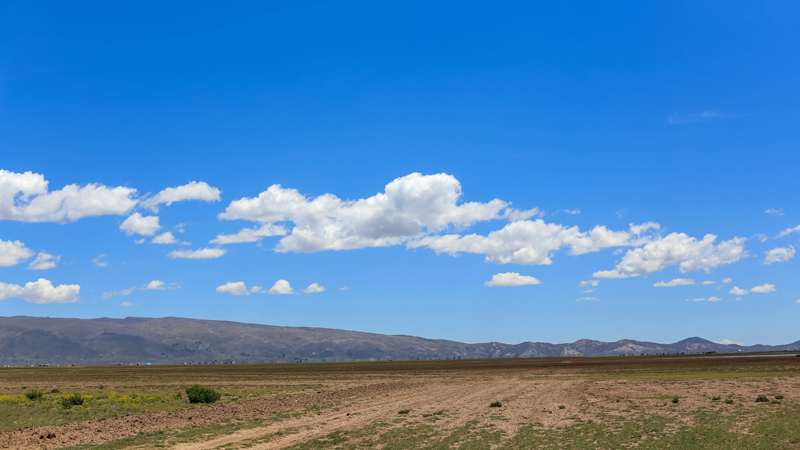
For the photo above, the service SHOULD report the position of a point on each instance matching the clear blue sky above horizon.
(471, 171)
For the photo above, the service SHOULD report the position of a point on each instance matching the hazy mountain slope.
(36, 340)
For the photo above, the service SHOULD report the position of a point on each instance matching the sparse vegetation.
(675, 399)
(201, 394)
(404, 411)
(496, 405)
(716, 398)
(55, 391)
(729, 401)
(778, 397)
(561, 406)
(762, 399)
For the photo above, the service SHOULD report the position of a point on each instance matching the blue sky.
(471, 171)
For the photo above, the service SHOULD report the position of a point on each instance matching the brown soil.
(527, 396)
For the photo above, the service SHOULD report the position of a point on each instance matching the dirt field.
(625, 402)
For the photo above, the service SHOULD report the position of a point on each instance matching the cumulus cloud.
(511, 279)
(729, 342)
(139, 241)
(763, 289)
(129, 304)
(251, 234)
(191, 191)
(738, 291)
(233, 288)
(726, 280)
(168, 238)
(155, 285)
(13, 253)
(107, 295)
(779, 254)
(314, 288)
(675, 282)
(25, 197)
(41, 291)
(138, 224)
(697, 299)
(256, 289)
(686, 252)
(531, 242)
(714, 299)
(281, 287)
(44, 261)
(99, 261)
(708, 282)
(409, 207)
(788, 231)
(774, 211)
(203, 253)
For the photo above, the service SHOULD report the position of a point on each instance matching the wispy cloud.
(703, 116)
(775, 212)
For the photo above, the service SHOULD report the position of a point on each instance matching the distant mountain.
(173, 340)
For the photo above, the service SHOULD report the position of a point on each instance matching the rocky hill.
(173, 340)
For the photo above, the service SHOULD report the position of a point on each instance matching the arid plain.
(669, 401)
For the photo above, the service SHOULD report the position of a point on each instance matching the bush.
(55, 391)
(405, 411)
(762, 399)
(778, 397)
(729, 401)
(716, 398)
(496, 405)
(675, 399)
(33, 395)
(561, 406)
(200, 394)
(71, 400)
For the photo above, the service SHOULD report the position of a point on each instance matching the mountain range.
(174, 340)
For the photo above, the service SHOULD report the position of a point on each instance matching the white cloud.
(511, 279)
(531, 242)
(281, 287)
(233, 288)
(775, 212)
(763, 289)
(761, 237)
(568, 211)
(677, 249)
(155, 285)
(683, 118)
(738, 291)
(729, 342)
(129, 304)
(13, 253)
(25, 197)
(139, 241)
(675, 282)
(779, 254)
(99, 261)
(592, 283)
(41, 291)
(587, 299)
(727, 280)
(409, 207)
(256, 289)
(191, 191)
(314, 288)
(251, 234)
(697, 299)
(107, 295)
(44, 261)
(709, 282)
(168, 238)
(138, 224)
(344, 288)
(714, 299)
(788, 231)
(203, 253)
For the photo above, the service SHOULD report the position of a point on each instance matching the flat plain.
(648, 402)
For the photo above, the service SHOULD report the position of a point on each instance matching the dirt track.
(463, 397)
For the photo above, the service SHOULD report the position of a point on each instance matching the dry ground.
(442, 404)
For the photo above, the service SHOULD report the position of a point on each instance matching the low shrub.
(405, 411)
(729, 401)
(496, 405)
(675, 399)
(762, 399)
(55, 391)
(178, 396)
(778, 397)
(71, 400)
(33, 395)
(200, 394)
(716, 398)
(561, 406)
